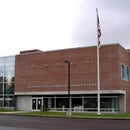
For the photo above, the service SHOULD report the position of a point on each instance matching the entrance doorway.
(36, 104)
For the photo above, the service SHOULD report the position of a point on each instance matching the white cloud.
(42, 24)
(56, 24)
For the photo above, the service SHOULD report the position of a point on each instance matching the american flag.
(98, 28)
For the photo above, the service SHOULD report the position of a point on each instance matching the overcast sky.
(58, 24)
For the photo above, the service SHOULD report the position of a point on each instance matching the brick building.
(36, 78)
(41, 79)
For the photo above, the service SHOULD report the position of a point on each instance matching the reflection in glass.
(1, 88)
(7, 79)
(9, 76)
(9, 89)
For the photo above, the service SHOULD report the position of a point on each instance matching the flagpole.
(98, 65)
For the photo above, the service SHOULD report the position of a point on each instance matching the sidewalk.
(12, 112)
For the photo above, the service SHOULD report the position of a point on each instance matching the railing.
(81, 109)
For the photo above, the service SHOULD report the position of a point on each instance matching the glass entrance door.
(36, 104)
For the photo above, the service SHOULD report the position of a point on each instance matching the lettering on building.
(64, 85)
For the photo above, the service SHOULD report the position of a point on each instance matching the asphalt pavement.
(15, 122)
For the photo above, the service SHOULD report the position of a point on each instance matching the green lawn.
(79, 115)
(3, 110)
(63, 114)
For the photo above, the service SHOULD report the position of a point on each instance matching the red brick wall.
(125, 85)
(46, 71)
(110, 67)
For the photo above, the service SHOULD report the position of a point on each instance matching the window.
(7, 81)
(125, 72)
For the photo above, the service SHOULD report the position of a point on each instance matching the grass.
(79, 115)
(113, 116)
(74, 115)
(3, 110)
(57, 114)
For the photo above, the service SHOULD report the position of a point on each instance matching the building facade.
(41, 79)
(36, 79)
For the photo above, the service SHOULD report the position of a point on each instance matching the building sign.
(64, 85)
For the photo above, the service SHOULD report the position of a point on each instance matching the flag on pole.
(98, 29)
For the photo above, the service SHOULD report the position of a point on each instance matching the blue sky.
(58, 24)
